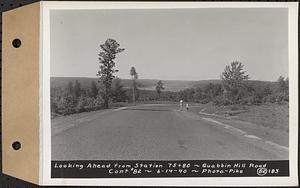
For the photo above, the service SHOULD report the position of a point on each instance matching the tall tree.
(159, 87)
(233, 79)
(134, 77)
(107, 54)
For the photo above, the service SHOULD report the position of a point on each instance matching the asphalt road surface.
(154, 132)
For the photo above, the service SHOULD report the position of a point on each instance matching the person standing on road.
(187, 107)
(181, 105)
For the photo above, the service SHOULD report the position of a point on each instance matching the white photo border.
(45, 120)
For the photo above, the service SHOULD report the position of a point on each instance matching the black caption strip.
(142, 169)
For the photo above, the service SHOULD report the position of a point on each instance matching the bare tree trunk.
(133, 93)
(106, 98)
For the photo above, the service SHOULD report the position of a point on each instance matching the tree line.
(234, 88)
(75, 98)
(250, 93)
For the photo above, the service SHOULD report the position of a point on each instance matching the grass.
(271, 115)
(267, 121)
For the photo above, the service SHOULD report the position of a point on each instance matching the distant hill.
(145, 84)
(63, 81)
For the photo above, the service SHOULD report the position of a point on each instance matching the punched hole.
(16, 43)
(16, 145)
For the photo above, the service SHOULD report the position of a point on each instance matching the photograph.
(169, 84)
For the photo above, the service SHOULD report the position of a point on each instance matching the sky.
(172, 44)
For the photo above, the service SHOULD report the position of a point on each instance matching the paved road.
(153, 132)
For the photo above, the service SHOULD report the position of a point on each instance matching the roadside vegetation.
(235, 89)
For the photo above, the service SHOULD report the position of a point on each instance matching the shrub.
(233, 108)
(66, 105)
(99, 101)
(221, 101)
(205, 101)
(81, 104)
(247, 100)
(270, 98)
(280, 97)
